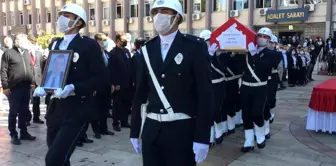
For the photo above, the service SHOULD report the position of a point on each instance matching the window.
(106, 11)
(12, 18)
(199, 6)
(21, 18)
(288, 2)
(29, 18)
(57, 15)
(315, 1)
(39, 18)
(134, 8)
(120, 10)
(263, 3)
(219, 5)
(240, 4)
(148, 6)
(184, 5)
(92, 11)
(48, 16)
(4, 19)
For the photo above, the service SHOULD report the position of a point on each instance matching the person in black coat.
(73, 105)
(122, 99)
(292, 68)
(17, 78)
(331, 61)
(313, 59)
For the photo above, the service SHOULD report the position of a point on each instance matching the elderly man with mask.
(17, 78)
(174, 77)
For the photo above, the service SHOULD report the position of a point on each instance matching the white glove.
(252, 49)
(39, 92)
(201, 151)
(212, 49)
(136, 145)
(59, 93)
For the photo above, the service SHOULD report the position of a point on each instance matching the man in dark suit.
(103, 98)
(73, 106)
(36, 58)
(176, 131)
(122, 100)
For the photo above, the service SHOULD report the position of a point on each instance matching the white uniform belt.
(254, 84)
(274, 71)
(233, 77)
(168, 117)
(219, 80)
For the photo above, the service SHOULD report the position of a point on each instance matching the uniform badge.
(178, 59)
(261, 55)
(76, 57)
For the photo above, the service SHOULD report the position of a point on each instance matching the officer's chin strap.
(73, 25)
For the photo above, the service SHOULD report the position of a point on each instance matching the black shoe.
(271, 120)
(97, 136)
(116, 128)
(311, 79)
(15, 140)
(246, 149)
(38, 121)
(87, 141)
(27, 136)
(220, 139)
(125, 125)
(268, 136)
(107, 133)
(231, 132)
(211, 145)
(80, 144)
(28, 124)
(262, 145)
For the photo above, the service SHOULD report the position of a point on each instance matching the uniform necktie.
(165, 45)
(32, 58)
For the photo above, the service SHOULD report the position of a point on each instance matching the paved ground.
(290, 145)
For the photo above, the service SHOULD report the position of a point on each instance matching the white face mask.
(162, 23)
(63, 23)
(301, 52)
(283, 51)
(262, 42)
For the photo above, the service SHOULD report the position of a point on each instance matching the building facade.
(133, 16)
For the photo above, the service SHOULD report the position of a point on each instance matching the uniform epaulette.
(193, 38)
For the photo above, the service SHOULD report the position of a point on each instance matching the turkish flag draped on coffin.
(233, 36)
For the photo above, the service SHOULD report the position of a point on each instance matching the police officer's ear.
(80, 23)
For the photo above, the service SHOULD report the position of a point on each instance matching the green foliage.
(44, 38)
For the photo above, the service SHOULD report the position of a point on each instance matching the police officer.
(233, 72)
(72, 106)
(219, 129)
(177, 85)
(273, 81)
(254, 88)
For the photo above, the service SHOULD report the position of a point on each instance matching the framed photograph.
(56, 70)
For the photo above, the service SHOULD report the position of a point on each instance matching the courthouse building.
(303, 18)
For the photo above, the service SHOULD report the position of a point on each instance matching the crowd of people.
(182, 100)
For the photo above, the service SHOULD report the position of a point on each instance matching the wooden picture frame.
(56, 70)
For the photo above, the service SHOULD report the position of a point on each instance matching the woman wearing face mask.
(123, 85)
(176, 131)
(72, 106)
(292, 68)
(302, 68)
